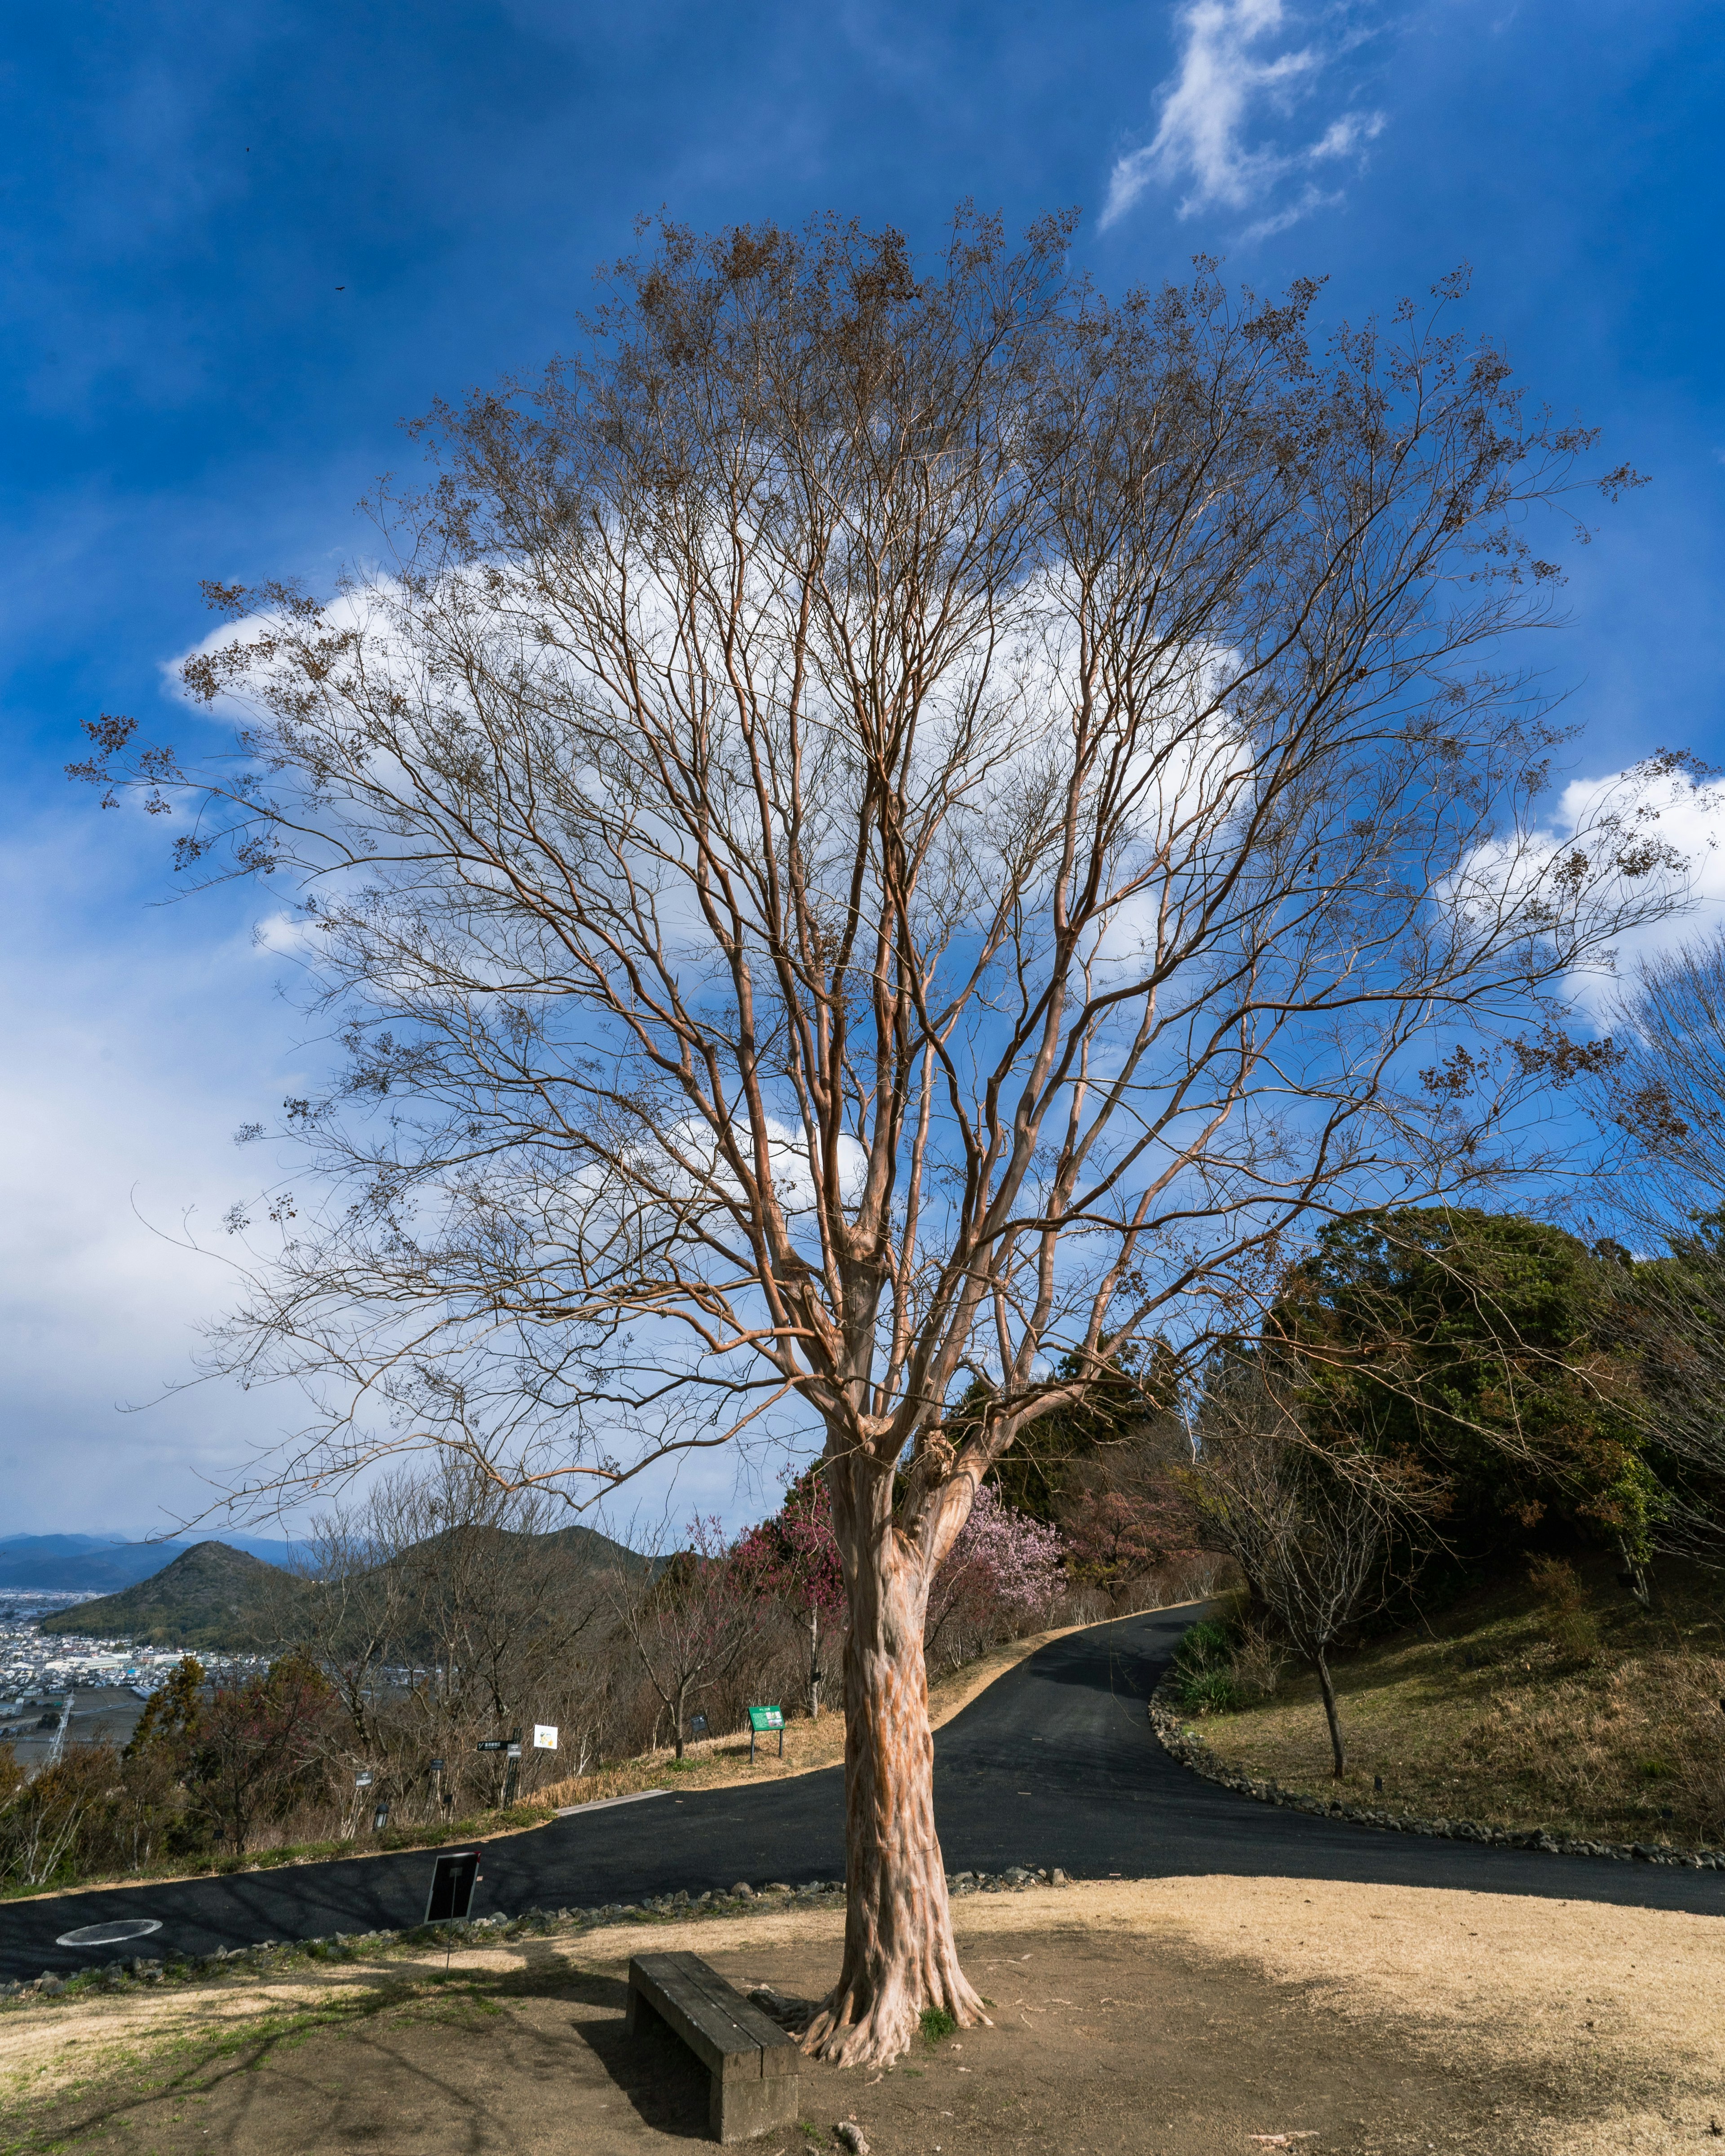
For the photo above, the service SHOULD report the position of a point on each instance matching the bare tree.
(446, 1609)
(689, 1623)
(1324, 1541)
(875, 829)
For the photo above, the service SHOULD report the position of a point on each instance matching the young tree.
(1115, 1533)
(794, 1557)
(172, 1716)
(691, 1625)
(1324, 1539)
(876, 828)
(261, 1748)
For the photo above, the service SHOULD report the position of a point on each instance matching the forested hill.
(220, 1597)
(214, 1596)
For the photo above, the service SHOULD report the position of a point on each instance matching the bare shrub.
(1260, 1657)
(446, 1609)
(1573, 1628)
(689, 1626)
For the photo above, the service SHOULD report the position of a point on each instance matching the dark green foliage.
(211, 1597)
(1203, 1679)
(1487, 1349)
(936, 2023)
(1038, 1472)
(172, 1714)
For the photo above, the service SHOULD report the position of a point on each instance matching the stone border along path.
(276, 1956)
(1183, 1743)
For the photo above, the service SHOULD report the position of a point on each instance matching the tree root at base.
(850, 2030)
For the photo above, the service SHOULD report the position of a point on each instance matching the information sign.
(697, 1725)
(452, 1879)
(545, 1737)
(762, 1721)
(513, 1751)
(494, 1744)
(363, 1781)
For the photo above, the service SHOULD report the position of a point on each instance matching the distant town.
(72, 1686)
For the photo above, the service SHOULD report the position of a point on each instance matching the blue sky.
(241, 245)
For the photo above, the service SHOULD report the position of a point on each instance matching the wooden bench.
(752, 2062)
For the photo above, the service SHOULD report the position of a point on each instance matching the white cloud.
(1670, 810)
(1237, 65)
(136, 1038)
(1687, 814)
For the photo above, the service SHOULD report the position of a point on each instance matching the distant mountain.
(81, 1563)
(210, 1596)
(213, 1595)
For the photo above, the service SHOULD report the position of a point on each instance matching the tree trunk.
(1338, 1746)
(1635, 1577)
(814, 1661)
(900, 1957)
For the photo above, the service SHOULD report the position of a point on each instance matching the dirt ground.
(1183, 2017)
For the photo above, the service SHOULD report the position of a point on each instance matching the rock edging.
(274, 1956)
(1182, 1742)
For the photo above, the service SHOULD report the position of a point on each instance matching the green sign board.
(766, 1717)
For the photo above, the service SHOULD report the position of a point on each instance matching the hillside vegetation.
(214, 1596)
(1554, 1700)
(217, 1597)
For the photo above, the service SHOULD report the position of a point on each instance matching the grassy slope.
(1490, 1712)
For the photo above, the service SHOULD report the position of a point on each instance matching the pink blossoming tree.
(794, 1558)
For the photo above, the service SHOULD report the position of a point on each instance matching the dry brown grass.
(1525, 1711)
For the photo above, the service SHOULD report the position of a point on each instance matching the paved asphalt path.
(1054, 1764)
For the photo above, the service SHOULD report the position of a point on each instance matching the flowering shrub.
(793, 1558)
(1003, 1568)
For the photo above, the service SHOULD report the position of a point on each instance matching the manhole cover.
(109, 1935)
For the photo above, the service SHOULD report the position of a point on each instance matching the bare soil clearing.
(1182, 2017)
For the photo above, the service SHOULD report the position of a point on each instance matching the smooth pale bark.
(899, 1956)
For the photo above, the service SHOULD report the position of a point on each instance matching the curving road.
(1054, 1764)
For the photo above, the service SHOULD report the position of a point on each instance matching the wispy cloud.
(1240, 71)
